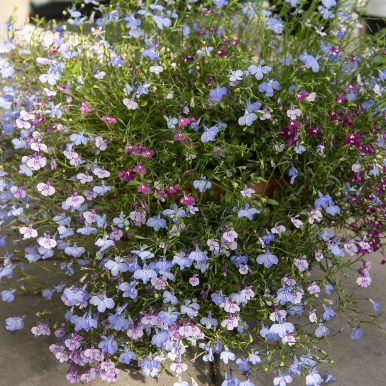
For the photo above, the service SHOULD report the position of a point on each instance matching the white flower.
(100, 75)
(28, 232)
(236, 76)
(75, 201)
(101, 173)
(156, 69)
(46, 242)
(45, 189)
(130, 104)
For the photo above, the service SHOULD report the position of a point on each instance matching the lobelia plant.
(202, 173)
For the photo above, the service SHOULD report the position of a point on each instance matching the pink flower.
(144, 189)
(41, 329)
(109, 120)
(85, 108)
(187, 200)
(194, 281)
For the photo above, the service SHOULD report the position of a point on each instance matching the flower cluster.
(201, 173)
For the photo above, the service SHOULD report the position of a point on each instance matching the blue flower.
(269, 86)
(247, 212)
(220, 3)
(321, 331)
(127, 356)
(108, 345)
(174, 213)
(156, 223)
(190, 309)
(198, 256)
(247, 119)
(284, 379)
(159, 338)
(356, 333)
(293, 173)
(202, 184)
(118, 322)
(329, 3)
(117, 265)
(328, 312)
(299, 149)
(14, 323)
(310, 61)
(129, 290)
(227, 356)
(267, 259)
(151, 54)
(209, 134)
(275, 25)
(150, 367)
(145, 274)
(327, 204)
(375, 304)
(7, 296)
(85, 322)
(259, 71)
(217, 93)
(102, 302)
(168, 297)
(168, 317)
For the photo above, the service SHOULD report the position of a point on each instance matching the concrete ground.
(26, 360)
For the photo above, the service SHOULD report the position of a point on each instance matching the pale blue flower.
(156, 223)
(209, 134)
(102, 302)
(217, 93)
(14, 323)
(267, 259)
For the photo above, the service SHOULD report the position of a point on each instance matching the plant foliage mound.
(198, 175)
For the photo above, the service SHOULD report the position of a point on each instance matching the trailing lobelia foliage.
(189, 167)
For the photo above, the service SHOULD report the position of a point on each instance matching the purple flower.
(217, 93)
(14, 323)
